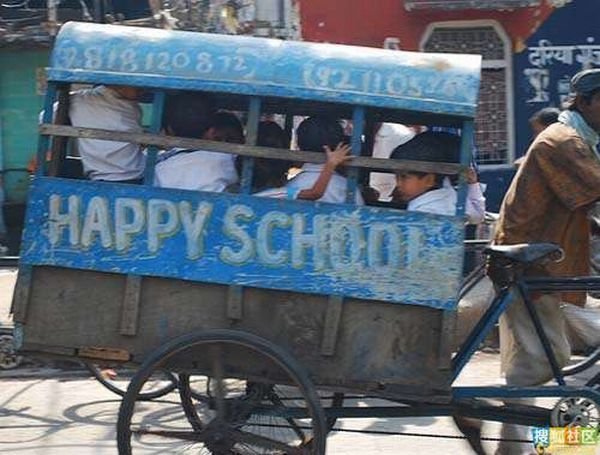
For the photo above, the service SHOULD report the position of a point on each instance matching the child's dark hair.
(429, 146)
(187, 114)
(224, 120)
(546, 116)
(318, 131)
(270, 173)
(270, 134)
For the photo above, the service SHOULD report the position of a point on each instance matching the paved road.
(73, 414)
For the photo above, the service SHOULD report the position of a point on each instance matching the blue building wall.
(566, 43)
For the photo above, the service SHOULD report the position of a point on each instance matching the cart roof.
(446, 84)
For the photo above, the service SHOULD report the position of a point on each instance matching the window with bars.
(491, 123)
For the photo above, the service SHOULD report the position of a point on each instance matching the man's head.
(586, 86)
(187, 114)
(543, 118)
(428, 146)
(316, 132)
(224, 127)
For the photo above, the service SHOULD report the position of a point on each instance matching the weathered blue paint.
(434, 83)
(395, 256)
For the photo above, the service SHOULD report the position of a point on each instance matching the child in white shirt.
(316, 134)
(112, 108)
(199, 170)
(431, 192)
(270, 174)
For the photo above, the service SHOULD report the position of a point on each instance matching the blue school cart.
(270, 313)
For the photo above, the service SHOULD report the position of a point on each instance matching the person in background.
(538, 122)
(548, 201)
(319, 134)
(388, 136)
(543, 118)
(198, 170)
(114, 108)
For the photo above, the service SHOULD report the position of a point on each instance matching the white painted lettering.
(96, 221)
(237, 232)
(57, 220)
(384, 246)
(302, 241)
(162, 222)
(194, 227)
(264, 237)
(129, 221)
(347, 243)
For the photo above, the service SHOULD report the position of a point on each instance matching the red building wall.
(369, 23)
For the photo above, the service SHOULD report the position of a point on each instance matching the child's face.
(410, 186)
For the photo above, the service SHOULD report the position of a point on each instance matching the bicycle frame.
(523, 286)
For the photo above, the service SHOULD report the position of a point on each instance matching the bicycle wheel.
(117, 380)
(242, 410)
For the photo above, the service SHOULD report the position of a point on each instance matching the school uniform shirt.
(196, 170)
(336, 189)
(443, 202)
(101, 107)
(279, 193)
(388, 137)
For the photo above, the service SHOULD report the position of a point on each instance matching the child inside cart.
(325, 135)
(200, 170)
(270, 176)
(431, 192)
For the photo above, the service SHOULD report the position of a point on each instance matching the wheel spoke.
(252, 439)
(277, 402)
(173, 434)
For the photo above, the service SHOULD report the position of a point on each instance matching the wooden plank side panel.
(377, 343)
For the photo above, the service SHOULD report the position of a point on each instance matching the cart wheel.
(576, 412)
(117, 380)
(8, 357)
(254, 398)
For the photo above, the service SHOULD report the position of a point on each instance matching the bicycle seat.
(526, 253)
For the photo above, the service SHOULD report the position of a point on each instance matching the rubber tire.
(155, 359)
(144, 396)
